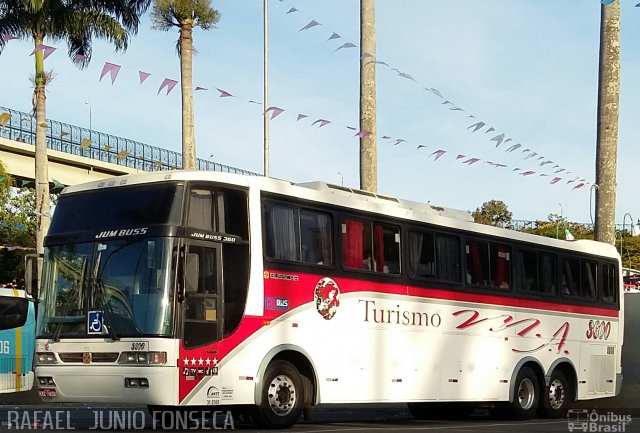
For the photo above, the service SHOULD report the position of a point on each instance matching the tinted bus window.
(488, 265)
(370, 246)
(537, 272)
(609, 288)
(434, 256)
(13, 312)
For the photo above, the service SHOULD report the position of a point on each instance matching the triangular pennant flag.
(420, 146)
(528, 173)
(292, 10)
(7, 37)
(498, 139)
(110, 68)
(57, 185)
(169, 84)
(322, 122)
(385, 137)
(578, 186)
(407, 76)
(347, 45)
(275, 112)
(436, 92)
(335, 36)
(312, 23)
(471, 161)
(514, 147)
(491, 128)
(4, 119)
(568, 236)
(46, 50)
(398, 141)
(223, 93)
(460, 156)
(200, 88)
(301, 116)
(352, 128)
(362, 134)
(143, 76)
(438, 154)
(555, 180)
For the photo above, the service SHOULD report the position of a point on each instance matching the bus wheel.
(282, 396)
(526, 395)
(555, 400)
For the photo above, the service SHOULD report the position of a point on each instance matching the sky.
(526, 68)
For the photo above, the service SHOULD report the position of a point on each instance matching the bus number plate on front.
(138, 346)
(47, 392)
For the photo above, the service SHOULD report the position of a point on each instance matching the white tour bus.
(184, 289)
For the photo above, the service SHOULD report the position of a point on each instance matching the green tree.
(493, 213)
(185, 15)
(77, 22)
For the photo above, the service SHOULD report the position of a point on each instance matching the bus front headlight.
(143, 358)
(44, 358)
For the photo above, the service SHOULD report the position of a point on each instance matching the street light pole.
(265, 90)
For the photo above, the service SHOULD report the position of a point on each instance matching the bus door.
(202, 314)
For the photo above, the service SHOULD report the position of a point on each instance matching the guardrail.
(75, 140)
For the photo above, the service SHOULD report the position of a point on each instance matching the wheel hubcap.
(282, 395)
(556, 394)
(526, 394)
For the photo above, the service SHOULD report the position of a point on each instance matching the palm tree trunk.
(368, 153)
(43, 217)
(186, 73)
(607, 135)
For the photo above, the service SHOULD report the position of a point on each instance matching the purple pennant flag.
(7, 37)
(555, 180)
(334, 36)
(79, 58)
(352, 128)
(398, 141)
(143, 76)
(578, 186)
(528, 173)
(169, 84)
(301, 116)
(322, 122)
(275, 112)
(542, 164)
(223, 93)
(347, 45)
(201, 88)
(438, 154)
(420, 146)
(292, 10)
(110, 68)
(362, 134)
(385, 137)
(471, 161)
(312, 23)
(46, 50)
(460, 156)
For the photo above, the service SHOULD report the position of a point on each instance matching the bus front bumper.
(108, 384)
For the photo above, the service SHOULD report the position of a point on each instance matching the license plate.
(47, 392)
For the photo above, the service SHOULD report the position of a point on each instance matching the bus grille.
(69, 357)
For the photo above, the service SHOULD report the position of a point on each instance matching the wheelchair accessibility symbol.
(95, 322)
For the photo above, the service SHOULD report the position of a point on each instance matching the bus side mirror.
(31, 274)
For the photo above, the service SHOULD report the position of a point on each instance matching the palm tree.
(607, 134)
(185, 15)
(76, 22)
(368, 153)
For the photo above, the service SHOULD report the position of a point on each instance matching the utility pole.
(368, 152)
(607, 135)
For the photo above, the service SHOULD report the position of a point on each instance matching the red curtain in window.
(352, 244)
(378, 236)
(501, 267)
(477, 263)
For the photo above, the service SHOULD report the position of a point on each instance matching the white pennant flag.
(567, 235)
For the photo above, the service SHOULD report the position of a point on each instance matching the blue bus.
(17, 340)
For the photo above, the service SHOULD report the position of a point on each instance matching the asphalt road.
(327, 419)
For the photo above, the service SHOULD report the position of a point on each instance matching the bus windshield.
(112, 288)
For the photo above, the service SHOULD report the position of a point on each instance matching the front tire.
(526, 395)
(282, 396)
(555, 400)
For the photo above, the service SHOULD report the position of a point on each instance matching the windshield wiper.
(98, 285)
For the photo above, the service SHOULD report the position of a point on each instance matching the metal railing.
(75, 140)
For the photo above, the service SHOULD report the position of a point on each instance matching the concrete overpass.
(78, 154)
